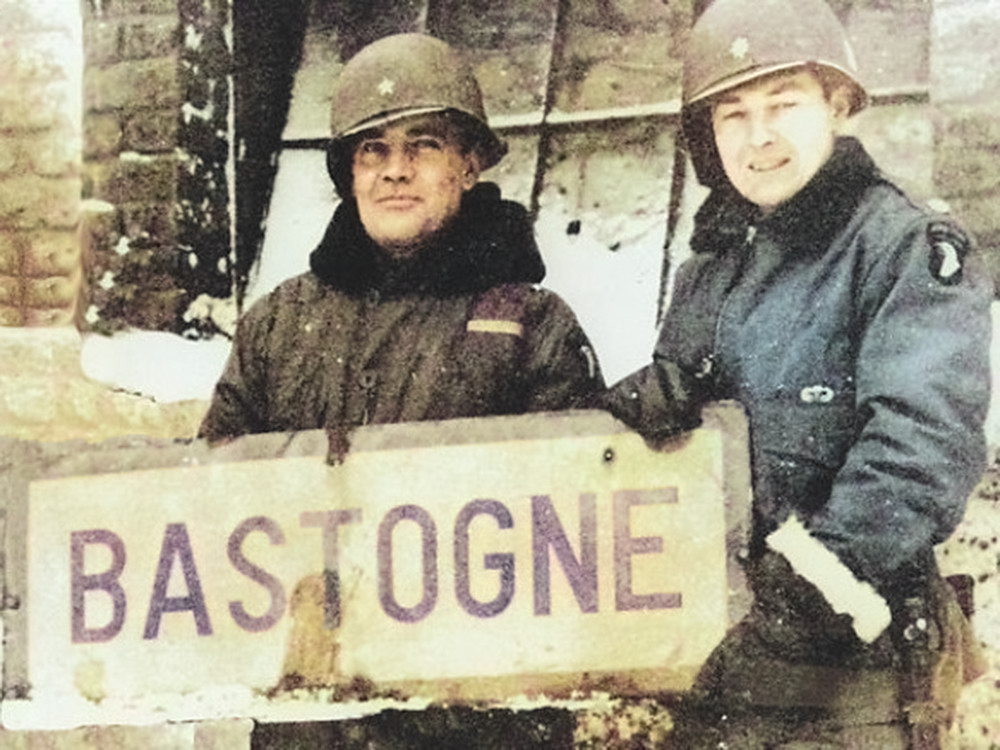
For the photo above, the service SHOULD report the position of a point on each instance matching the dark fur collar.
(806, 223)
(491, 243)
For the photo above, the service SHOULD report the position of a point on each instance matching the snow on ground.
(613, 294)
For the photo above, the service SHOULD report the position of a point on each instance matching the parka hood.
(490, 243)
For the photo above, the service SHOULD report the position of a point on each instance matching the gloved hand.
(817, 564)
(655, 401)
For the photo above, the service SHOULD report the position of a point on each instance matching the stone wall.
(151, 237)
(45, 395)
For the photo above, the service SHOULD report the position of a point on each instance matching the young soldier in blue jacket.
(854, 328)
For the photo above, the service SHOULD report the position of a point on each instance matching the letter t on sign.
(626, 545)
(330, 521)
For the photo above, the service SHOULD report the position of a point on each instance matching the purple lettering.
(626, 545)
(504, 562)
(386, 588)
(257, 574)
(547, 531)
(330, 521)
(176, 543)
(107, 581)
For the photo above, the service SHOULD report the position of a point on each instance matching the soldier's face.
(773, 134)
(409, 178)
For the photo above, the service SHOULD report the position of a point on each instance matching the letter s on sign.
(257, 574)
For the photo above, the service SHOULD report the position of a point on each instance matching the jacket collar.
(806, 223)
(490, 243)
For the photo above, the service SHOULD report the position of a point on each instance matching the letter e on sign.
(627, 545)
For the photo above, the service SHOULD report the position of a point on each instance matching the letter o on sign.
(386, 588)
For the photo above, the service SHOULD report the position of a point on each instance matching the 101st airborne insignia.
(948, 249)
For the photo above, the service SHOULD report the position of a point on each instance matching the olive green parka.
(461, 330)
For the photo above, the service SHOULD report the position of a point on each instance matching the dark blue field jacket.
(854, 327)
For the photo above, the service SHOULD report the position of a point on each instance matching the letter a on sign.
(176, 542)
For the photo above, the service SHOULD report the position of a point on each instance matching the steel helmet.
(400, 76)
(736, 41)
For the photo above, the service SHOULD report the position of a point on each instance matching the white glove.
(818, 565)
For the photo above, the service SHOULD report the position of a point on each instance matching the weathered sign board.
(543, 557)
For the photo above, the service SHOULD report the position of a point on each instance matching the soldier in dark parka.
(854, 327)
(422, 299)
(421, 303)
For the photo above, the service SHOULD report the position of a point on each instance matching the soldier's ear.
(840, 102)
(472, 170)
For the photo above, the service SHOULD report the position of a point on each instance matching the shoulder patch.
(948, 248)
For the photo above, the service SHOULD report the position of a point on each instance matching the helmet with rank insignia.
(737, 41)
(401, 76)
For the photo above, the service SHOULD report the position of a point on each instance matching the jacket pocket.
(798, 448)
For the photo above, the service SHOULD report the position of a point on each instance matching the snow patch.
(222, 312)
(163, 366)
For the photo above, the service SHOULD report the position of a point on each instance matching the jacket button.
(367, 379)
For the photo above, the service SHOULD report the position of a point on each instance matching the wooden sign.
(542, 557)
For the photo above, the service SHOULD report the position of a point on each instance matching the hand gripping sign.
(483, 560)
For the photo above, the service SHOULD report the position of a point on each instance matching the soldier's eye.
(732, 114)
(426, 143)
(372, 151)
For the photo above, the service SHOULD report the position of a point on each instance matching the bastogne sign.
(493, 560)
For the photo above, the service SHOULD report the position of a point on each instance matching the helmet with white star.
(737, 41)
(401, 76)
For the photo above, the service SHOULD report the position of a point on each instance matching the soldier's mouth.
(769, 166)
(399, 201)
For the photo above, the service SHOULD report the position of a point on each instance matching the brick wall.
(156, 226)
(52, 244)
(131, 104)
(39, 162)
(150, 164)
